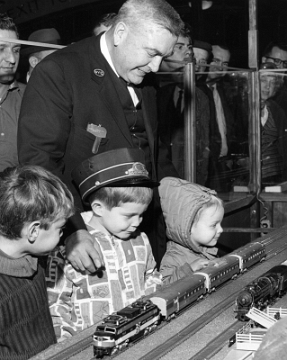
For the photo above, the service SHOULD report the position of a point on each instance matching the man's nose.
(155, 63)
(219, 67)
(188, 52)
(10, 56)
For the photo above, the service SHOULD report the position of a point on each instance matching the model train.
(141, 317)
(262, 291)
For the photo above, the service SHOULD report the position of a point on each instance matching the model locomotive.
(117, 330)
(262, 291)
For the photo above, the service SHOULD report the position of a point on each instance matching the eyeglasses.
(218, 62)
(201, 62)
(278, 62)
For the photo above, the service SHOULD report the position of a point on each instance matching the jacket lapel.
(106, 90)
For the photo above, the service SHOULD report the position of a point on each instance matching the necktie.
(134, 91)
(179, 102)
(220, 121)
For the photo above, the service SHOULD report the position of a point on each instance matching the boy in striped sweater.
(35, 205)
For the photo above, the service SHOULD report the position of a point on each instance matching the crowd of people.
(92, 148)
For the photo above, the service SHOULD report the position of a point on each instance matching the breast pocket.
(81, 143)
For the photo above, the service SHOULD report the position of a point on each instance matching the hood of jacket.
(180, 202)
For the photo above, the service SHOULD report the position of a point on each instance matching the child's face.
(208, 227)
(123, 220)
(48, 239)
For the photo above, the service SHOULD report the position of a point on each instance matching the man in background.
(171, 111)
(221, 119)
(277, 53)
(201, 54)
(11, 93)
(104, 23)
(37, 53)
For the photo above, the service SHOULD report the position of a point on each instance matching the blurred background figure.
(37, 53)
(11, 93)
(219, 63)
(273, 130)
(104, 23)
(276, 53)
(201, 53)
(221, 131)
(171, 111)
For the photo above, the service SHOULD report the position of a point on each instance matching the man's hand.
(83, 252)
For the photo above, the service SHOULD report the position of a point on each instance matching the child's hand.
(199, 264)
(154, 277)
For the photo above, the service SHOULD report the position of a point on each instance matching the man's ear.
(120, 33)
(98, 208)
(264, 59)
(33, 61)
(33, 231)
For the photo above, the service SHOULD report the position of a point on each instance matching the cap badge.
(137, 169)
(99, 72)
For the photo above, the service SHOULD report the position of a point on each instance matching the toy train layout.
(116, 331)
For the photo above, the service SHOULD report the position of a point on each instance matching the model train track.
(83, 342)
(199, 323)
(190, 330)
(214, 346)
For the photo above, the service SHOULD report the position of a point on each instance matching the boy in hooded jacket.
(193, 215)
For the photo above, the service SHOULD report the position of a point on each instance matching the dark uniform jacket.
(68, 90)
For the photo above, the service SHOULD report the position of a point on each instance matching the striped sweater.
(25, 322)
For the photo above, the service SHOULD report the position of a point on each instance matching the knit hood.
(180, 202)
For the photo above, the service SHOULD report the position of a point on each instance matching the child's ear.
(98, 208)
(33, 231)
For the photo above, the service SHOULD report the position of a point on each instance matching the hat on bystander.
(49, 36)
(202, 45)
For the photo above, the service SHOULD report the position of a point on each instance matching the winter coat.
(180, 202)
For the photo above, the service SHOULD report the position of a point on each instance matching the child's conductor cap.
(117, 168)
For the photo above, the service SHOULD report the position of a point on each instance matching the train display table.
(199, 332)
